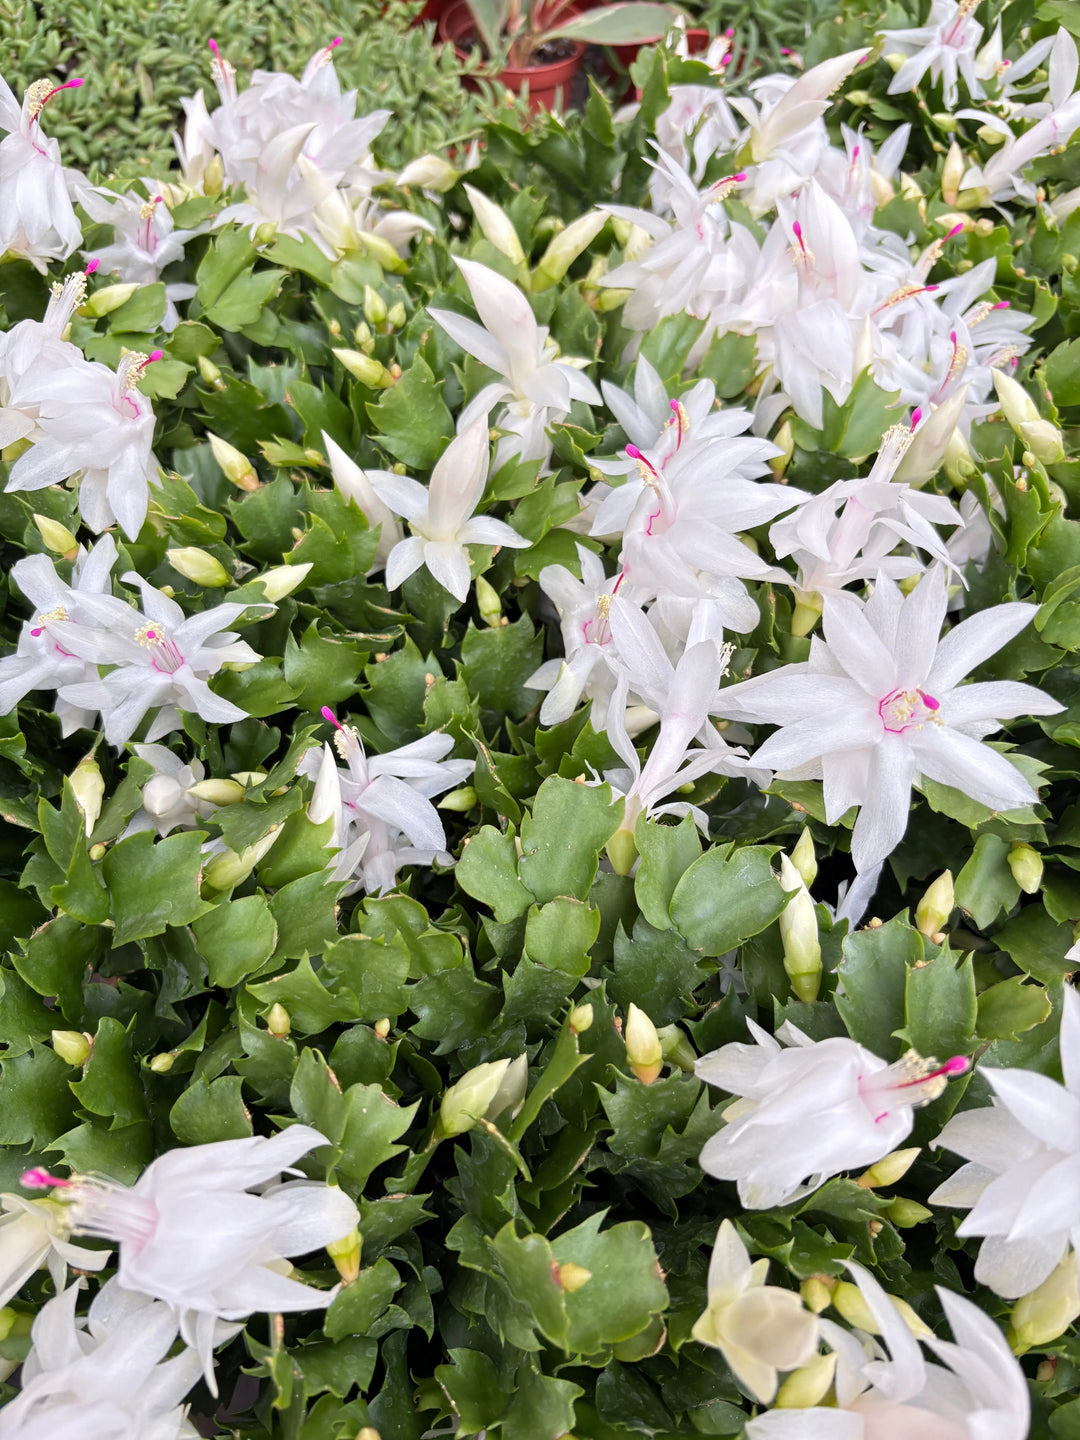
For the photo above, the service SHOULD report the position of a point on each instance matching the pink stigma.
(39, 631)
(335, 43)
(855, 152)
(215, 50)
(39, 1179)
(155, 355)
(956, 229)
(915, 418)
(91, 269)
(958, 1065)
(927, 289)
(740, 177)
(329, 716)
(151, 634)
(727, 59)
(1003, 305)
(634, 452)
(784, 50)
(928, 700)
(67, 85)
(729, 33)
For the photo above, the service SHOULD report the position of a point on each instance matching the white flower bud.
(375, 309)
(345, 1254)
(430, 172)
(107, 299)
(848, 1300)
(905, 1214)
(89, 791)
(565, 248)
(466, 1102)
(496, 225)
(889, 1169)
(952, 174)
(804, 859)
(72, 1046)
(1049, 1310)
(936, 905)
(236, 467)
(161, 795)
(163, 1062)
(1044, 440)
(488, 602)
(278, 1020)
(817, 1292)
(217, 792)
(198, 566)
(643, 1048)
(581, 1017)
(58, 538)
(806, 1387)
(572, 1277)
(228, 868)
(1016, 404)
(512, 1089)
(1026, 866)
(368, 371)
(282, 580)
(396, 315)
(799, 933)
(460, 802)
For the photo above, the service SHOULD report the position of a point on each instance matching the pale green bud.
(936, 905)
(283, 580)
(1049, 1310)
(803, 857)
(396, 315)
(345, 1253)
(581, 1017)
(848, 1300)
(622, 851)
(1044, 440)
(889, 1169)
(643, 1048)
(210, 372)
(799, 934)
(784, 440)
(375, 310)
(217, 792)
(365, 340)
(488, 602)
(1016, 404)
(213, 176)
(459, 801)
(382, 1027)
(496, 225)
(368, 371)
(1026, 866)
(381, 250)
(235, 466)
(572, 1277)
(677, 1048)
(198, 566)
(806, 1387)
(107, 299)
(807, 612)
(817, 1292)
(228, 869)
(89, 789)
(266, 233)
(512, 1089)
(430, 172)
(990, 136)
(58, 538)
(952, 174)
(905, 1214)
(466, 1102)
(944, 121)
(72, 1046)
(565, 248)
(610, 298)
(278, 1021)
(163, 1062)
(959, 462)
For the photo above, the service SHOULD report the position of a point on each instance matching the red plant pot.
(544, 81)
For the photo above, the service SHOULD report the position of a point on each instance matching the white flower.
(93, 421)
(167, 804)
(42, 661)
(356, 485)
(893, 1394)
(441, 514)
(192, 1234)
(774, 126)
(879, 704)
(537, 387)
(107, 1381)
(35, 1233)
(381, 807)
(945, 46)
(758, 1328)
(144, 240)
(31, 348)
(810, 1109)
(37, 221)
(1022, 1180)
(161, 658)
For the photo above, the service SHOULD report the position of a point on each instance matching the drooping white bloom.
(774, 126)
(381, 807)
(441, 514)
(34, 1233)
(162, 660)
(192, 1233)
(37, 221)
(43, 661)
(889, 1392)
(145, 240)
(1001, 178)
(809, 1110)
(1022, 1180)
(107, 1381)
(356, 485)
(93, 422)
(945, 46)
(536, 387)
(879, 704)
(759, 1329)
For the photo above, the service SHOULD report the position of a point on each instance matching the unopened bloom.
(167, 801)
(810, 1109)
(192, 1233)
(104, 1378)
(759, 1329)
(467, 1101)
(380, 805)
(879, 704)
(356, 485)
(1047, 1311)
(1022, 1178)
(37, 222)
(441, 514)
(888, 1393)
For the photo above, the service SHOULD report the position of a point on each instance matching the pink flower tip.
(916, 417)
(729, 33)
(214, 49)
(633, 452)
(330, 717)
(155, 355)
(38, 1179)
(855, 153)
(727, 59)
(72, 84)
(952, 337)
(958, 1065)
(740, 177)
(1003, 305)
(92, 267)
(956, 229)
(337, 40)
(928, 288)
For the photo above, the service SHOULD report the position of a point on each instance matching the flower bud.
(1044, 440)
(236, 468)
(283, 580)
(488, 602)
(952, 174)
(217, 792)
(848, 1300)
(1049, 1310)
(622, 851)
(643, 1048)
(581, 1017)
(58, 538)
(817, 1292)
(228, 869)
(107, 299)
(396, 315)
(889, 1170)
(512, 1089)
(1016, 404)
(784, 440)
(936, 905)
(803, 857)
(464, 1103)
(676, 1048)
(1026, 866)
(799, 934)
(160, 795)
(345, 1253)
(382, 1028)
(368, 371)
(430, 172)
(278, 1020)
(97, 852)
(905, 1214)
(611, 297)
(72, 1046)
(210, 372)
(363, 337)
(89, 790)
(459, 801)
(807, 612)
(163, 1062)
(496, 225)
(572, 1277)
(806, 1387)
(198, 566)
(958, 460)
(565, 248)
(375, 310)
